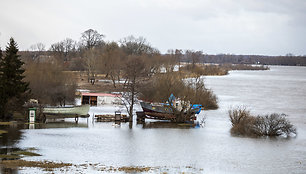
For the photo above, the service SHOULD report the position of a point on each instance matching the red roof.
(100, 94)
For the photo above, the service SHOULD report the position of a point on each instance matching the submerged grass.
(16, 153)
(50, 166)
(5, 123)
(134, 169)
(26, 153)
(9, 157)
(40, 164)
(31, 148)
(83, 168)
(3, 132)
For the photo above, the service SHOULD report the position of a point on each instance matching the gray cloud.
(271, 27)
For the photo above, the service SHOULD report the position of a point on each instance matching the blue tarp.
(196, 107)
(171, 98)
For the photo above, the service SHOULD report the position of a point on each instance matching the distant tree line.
(288, 60)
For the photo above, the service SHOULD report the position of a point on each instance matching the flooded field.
(171, 148)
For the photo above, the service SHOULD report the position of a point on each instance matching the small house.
(99, 99)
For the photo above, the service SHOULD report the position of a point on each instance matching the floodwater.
(210, 149)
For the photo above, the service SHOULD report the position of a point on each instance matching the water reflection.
(9, 170)
(7, 142)
(59, 124)
(167, 144)
(12, 136)
(163, 124)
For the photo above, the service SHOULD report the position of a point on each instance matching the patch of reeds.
(243, 123)
(204, 70)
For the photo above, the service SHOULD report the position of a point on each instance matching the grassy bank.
(217, 70)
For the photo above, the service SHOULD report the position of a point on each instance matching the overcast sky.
(269, 27)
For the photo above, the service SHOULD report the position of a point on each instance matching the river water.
(210, 149)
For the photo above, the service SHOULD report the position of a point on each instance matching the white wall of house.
(107, 100)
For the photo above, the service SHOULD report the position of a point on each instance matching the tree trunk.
(131, 106)
(131, 113)
(114, 80)
(133, 85)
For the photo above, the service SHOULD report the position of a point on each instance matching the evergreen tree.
(11, 79)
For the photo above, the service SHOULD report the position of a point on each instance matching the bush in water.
(243, 123)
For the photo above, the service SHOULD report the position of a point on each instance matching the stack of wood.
(111, 118)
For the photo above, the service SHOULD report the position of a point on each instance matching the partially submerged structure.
(172, 110)
(99, 99)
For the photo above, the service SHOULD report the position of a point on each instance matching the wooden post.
(140, 117)
(76, 119)
(117, 116)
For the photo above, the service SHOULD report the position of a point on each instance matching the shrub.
(273, 125)
(243, 123)
(163, 85)
(237, 115)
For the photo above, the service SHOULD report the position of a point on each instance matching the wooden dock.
(111, 118)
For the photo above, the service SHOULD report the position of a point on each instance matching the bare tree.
(137, 46)
(91, 60)
(70, 46)
(38, 47)
(91, 38)
(178, 56)
(112, 61)
(154, 63)
(194, 56)
(64, 49)
(41, 47)
(134, 70)
(58, 49)
(169, 61)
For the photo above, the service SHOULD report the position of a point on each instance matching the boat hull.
(148, 107)
(77, 110)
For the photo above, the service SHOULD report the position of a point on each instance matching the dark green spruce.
(13, 87)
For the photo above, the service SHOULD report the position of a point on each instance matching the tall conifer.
(11, 76)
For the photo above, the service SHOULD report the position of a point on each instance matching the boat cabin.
(99, 99)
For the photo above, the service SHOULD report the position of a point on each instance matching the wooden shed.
(99, 99)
